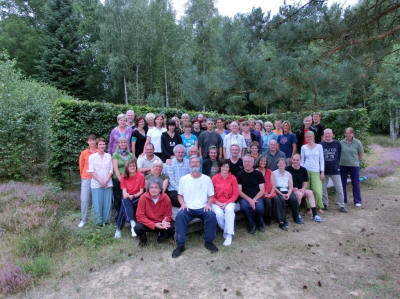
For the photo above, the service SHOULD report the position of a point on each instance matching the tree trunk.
(266, 105)
(126, 93)
(137, 83)
(204, 108)
(151, 75)
(391, 124)
(166, 85)
(396, 123)
(315, 97)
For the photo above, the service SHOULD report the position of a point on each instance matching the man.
(210, 138)
(301, 133)
(235, 162)
(211, 165)
(196, 127)
(145, 162)
(273, 155)
(153, 212)
(130, 115)
(196, 194)
(177, 168)
(332, 151)
(200, 117)
(251, 191)
(300, 181)
(278, 127)
(318, 127)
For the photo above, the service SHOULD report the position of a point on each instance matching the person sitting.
(300, 180)
(211, 165)
(254, 150)
(273, 155)
(226, 192)
(169, 140)
(146, 161)
(153, 212)
(195, 195)
(235, 162)
(194, 151)
(132, 185)
(262, 166)
(157, 172)
(251, 191)
(282, 184)
(178, 167)
(267, 137)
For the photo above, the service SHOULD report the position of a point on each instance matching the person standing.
(169, 140)
(210, 138)
(86, 177)
(235, 162)
(195, 195)
(267, 137)
(318, 126)
(301, 133)
(332, 152)
(352, 153)
(130, 119)
(188, 139)
(122, 130)
(278, 127)
(196, 127)
(138, 139)
(234, 137)
(287, 141)
(101, 169)
(220, 128)
(154, 135)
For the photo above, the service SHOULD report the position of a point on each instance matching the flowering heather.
(13, 279)
(386, 166)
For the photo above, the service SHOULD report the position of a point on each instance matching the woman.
(267, 137)
(139, 137)
(259, 127)
(122, 130)
(185, 118)
(312, 159)
(178, 128)
(352, 153)
(132, 185)
(254, 150)
(228, 126)
(282, 185)
(100, 168)
(203, 125)
(149, 120)
(156, 171)
(196, 127)
(247, 135)
(234, 137)
(220, 128)
(226, 191)
(262, 166)
(188, 139)
(154, 135)
(119, 159)
(287, 141)
(168, 141)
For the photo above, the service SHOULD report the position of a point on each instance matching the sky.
(231, 7)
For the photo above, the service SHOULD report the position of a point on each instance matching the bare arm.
(165, 185)
(260, 193)
(294, 145)
(244, 195)
(115, 167)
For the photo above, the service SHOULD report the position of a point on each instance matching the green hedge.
(71, 121)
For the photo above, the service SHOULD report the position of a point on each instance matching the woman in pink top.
(226, 191)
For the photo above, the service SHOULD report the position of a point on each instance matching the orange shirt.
(84, 163)
(277, 132)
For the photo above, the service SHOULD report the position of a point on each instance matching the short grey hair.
(121, 116)
(268, 123)
(154, 180)
(193, 157)
(178, 146)
(248, 156)
(156, 163)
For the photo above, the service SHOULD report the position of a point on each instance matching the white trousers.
(226, 218)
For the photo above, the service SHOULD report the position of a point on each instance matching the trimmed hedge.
(71, 121)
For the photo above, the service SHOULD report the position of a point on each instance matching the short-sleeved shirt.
(188, 142)
(207, 139)
(133, 184)
(299, 176)
(273, 159)
(162, 176)
(332, 152)
(350, 151)
(155, 137)
(102, 166)
(235, 168)
(195, 191)
(139, 140)
(143, 162)
(175, 171)
(250, 182)
(286, 143)
(266, 138)
(121, 162)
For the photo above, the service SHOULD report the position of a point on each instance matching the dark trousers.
(267, 210)
(127, 211)
(141, 230)
(355, 181)
(280, 207)
(173, 195)
(117, 193)
(185, 216)
(253, 216)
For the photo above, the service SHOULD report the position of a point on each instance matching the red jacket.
(149, 213)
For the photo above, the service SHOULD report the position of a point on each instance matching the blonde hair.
(121, 116)
(149, 116)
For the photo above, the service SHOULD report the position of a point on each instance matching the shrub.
(71, 121)
(94, 236)
(38, 267)
(13, 279)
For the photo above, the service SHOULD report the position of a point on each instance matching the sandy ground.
(347, 255)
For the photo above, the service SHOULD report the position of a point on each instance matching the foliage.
(71, 121)
(13, 279)
(38, 267)
(25, 107)
(94, 236)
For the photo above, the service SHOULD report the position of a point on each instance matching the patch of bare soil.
(347, 255)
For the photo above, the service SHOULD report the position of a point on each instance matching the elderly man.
(273, 155)
(196, 195)
(153, 212)
(130, 116)
(251, 191)
(145, 162)
(332, 151)
(210, 138)
(177, 168)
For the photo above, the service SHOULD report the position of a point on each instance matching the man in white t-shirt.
(195, 194)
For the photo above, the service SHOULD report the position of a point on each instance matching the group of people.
(153, 164)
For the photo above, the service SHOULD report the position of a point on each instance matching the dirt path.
(348, 255)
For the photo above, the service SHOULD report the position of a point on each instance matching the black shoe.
(142, 241)
(177, 251)
(210, 246)
(325, 208)
(343, 210)
(252, 230)
(282, 226)
(261, 229)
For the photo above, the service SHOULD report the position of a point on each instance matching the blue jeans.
(127, 211)
(253, 216)
(185, 216)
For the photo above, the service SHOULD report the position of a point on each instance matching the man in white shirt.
(145, 162)
(195, 194)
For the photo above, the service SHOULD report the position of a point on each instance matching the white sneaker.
(228, 240)
(133, 232)
(117, 234)
(81, 224)
(358, 205)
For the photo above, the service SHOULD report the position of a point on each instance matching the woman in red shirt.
(226, 191)
(132, 185)
(262, 165)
